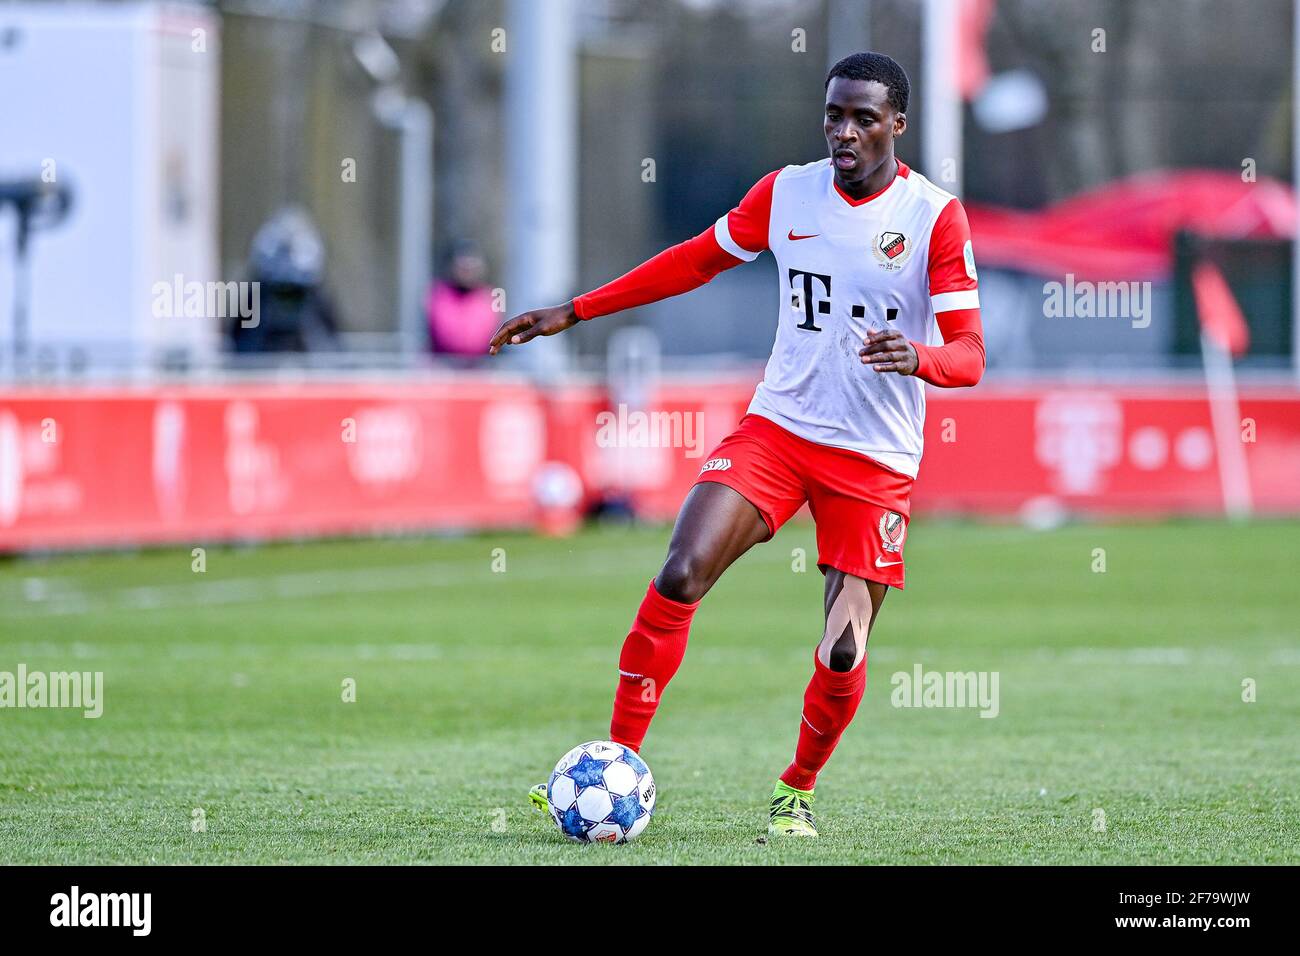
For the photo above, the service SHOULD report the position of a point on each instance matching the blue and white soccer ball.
(601, 792)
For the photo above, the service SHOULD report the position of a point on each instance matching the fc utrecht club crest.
(892, 530)
(891, 250)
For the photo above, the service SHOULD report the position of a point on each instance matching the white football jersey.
(846, 267)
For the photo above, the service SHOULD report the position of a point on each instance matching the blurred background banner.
(254, 461)
(228, 229)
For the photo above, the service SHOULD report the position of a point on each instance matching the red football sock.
(651, 655)
(829, 704)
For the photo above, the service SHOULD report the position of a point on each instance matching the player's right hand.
(529, 325)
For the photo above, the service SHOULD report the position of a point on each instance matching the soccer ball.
(601, 792)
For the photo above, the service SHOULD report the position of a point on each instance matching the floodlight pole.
(848, 29)
(540, 130)
(411, 120)
(941, 105)
(1295, 186)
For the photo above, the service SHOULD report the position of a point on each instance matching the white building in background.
(117, 103)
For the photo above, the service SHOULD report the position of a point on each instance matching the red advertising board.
(126, 466)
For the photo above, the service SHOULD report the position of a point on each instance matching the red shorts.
(861, 507)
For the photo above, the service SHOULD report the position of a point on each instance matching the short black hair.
(878, 67)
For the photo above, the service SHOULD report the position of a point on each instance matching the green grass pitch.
(1122, 734)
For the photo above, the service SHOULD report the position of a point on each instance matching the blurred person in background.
(458, 306)
(287, 260)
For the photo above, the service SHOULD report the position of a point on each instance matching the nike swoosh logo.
(886, 564)
(791, 236)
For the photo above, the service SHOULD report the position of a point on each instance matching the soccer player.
(877, 295)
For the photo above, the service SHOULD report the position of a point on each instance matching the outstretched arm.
(680, 268)
(737, 237)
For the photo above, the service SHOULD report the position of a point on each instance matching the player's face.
(860, 127)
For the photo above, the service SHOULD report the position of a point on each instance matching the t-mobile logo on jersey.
(803, 300)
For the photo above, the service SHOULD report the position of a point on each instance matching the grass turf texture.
(1119, 691)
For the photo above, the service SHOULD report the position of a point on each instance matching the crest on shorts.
(891, 250)
(892, 530)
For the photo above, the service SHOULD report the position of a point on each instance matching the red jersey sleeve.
(960, 360)
(954, 295)
(743, 231)
(737, 237)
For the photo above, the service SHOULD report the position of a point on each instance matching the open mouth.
(845, 158)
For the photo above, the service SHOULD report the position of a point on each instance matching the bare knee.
(849, 613)
(683, 578)
(844, 652)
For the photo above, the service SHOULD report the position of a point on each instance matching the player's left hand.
(889, 351)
